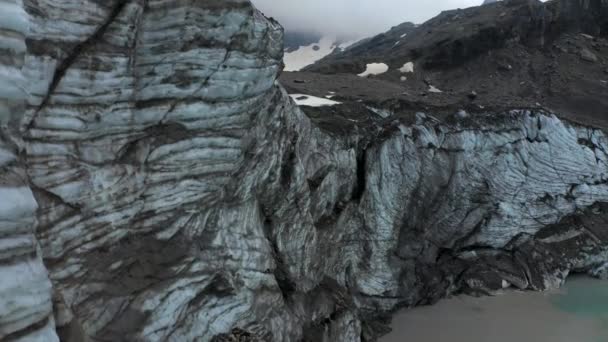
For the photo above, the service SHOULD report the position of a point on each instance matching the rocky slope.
(364, 50)
(516, 53)
(179, 195)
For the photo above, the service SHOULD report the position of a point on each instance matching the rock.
(505, 66)
(462, 114)
(236, 335)
(299, 81)
(472, 95)
(600, 271)
(588, 56)
(420, 118)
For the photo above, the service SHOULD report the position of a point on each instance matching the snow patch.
(312, 101)
(374, 69)
(403, 78)
(307, 55)
(407, 67)
(432, 89)
(403, 35)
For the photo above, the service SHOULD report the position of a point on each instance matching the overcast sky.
(356, 17)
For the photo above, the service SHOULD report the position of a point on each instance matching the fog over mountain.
(354, 18)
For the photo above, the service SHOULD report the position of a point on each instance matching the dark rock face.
(182, 196)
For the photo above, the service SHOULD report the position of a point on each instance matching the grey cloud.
(354, 17)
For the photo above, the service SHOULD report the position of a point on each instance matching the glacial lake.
(576, 313)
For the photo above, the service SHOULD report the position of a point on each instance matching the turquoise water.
(576, 313)
(588, 299)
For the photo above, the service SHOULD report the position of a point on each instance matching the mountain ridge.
(510, 53)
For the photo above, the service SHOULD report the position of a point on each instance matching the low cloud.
(354, 18)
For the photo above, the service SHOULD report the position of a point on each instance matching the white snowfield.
(307, 55)
(374, 69)
(312, 101)
(407, 67)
